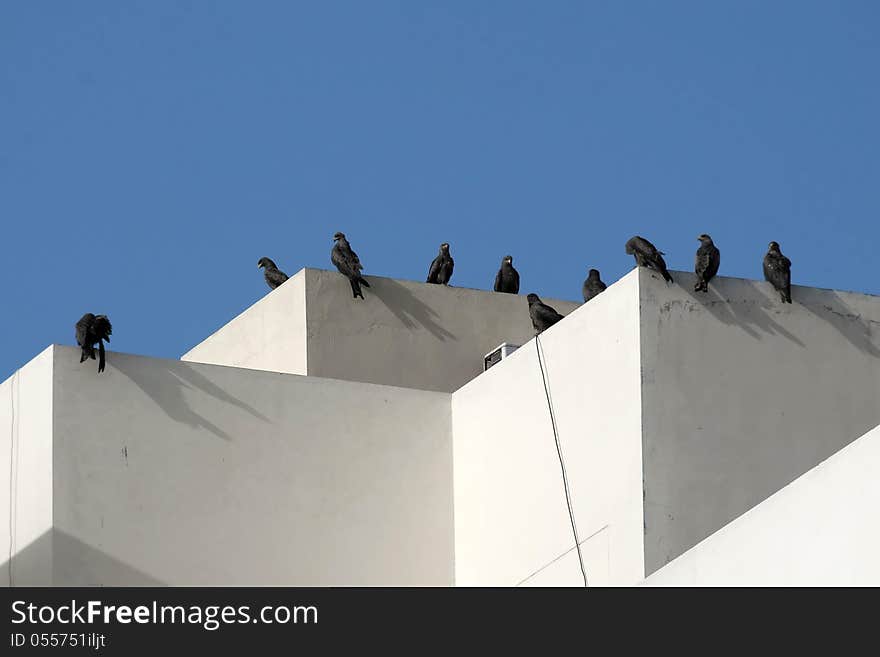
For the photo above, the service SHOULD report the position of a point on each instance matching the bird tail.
(667, 276)
(786, 295)
(356, 288)
(102, 360)
(363, 281)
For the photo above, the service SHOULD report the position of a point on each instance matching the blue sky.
(152, 151)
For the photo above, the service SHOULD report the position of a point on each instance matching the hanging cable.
(561, 461)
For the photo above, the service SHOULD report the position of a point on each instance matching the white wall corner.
(512, 525)
(268, 335)
(26, 481)
(741, 394)
(820, 530)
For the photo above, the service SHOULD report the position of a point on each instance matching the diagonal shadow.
(164, 383)
(198, 380)
(409, 309)
(56, 558)
(719, 307)
(855, 328)
(748, 315)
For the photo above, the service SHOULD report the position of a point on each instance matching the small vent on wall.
(498, 354)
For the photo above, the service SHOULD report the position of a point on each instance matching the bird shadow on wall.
(409, 309)
(855, 328)
(750, 316)
(164, 383)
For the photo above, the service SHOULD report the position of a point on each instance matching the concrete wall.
(26, 474)
(169, 472)
(511, 520)
(403, 333)
(820, 530)
(742, 394)
(270, 335)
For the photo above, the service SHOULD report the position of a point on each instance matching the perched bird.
(507, 278)
(706, 264)
(348, 264)
(89, 330)
(647, 255)
(274, 276)
(593, 285)
(543, 316)
(777, 270)
(441, 268)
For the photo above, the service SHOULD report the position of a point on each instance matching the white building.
(719, 438)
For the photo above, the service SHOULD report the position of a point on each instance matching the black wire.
(561, 464)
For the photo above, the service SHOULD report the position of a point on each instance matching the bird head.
(773, 247)
(508, 260)
(705, 239)
(102, 327)
(445, 247)
(265, 262)
(594, 273)
(338, 236)
(533, 298)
